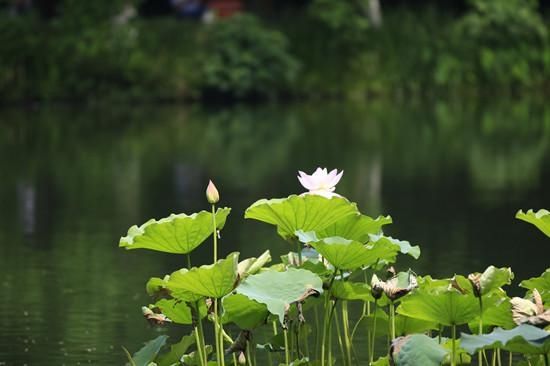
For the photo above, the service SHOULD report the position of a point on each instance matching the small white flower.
(321, 182)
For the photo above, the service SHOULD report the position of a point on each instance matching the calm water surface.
(451, 174)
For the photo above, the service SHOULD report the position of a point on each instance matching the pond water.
(451, 174)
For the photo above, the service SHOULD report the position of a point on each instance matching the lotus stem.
(215, 233)
(248, 358)
(510, 358)
(217, 335)
(299, 251)
(392, 320)
(345, 324)
(371, 355)
(546, 361)
(199, 347)
(494, 358)
(327, 319)
(189, 260)
(453, 352)
(479, 354)
(287, 355)
(340, 342)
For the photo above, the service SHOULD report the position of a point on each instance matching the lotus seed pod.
(212, 194)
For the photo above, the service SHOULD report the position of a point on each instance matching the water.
(72, 180)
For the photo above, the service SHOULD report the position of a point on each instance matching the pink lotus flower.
(321, 182)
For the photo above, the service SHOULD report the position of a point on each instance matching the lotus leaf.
(355, 227)
(446, 307)
(278, 290)
(541, 219)
(541, 283)
(150, 351)
(382, 361)
(404, 246)
(496, 312)
(193, 359)
(490, 280)
(348, 254)
(405, 325)
(346, 290)
(176, 351)
(525, 339)
(416, 350)
(307, 213)
(214, 280)
(245, 312)
(178, 234)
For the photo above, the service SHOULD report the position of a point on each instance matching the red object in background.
(225, 8)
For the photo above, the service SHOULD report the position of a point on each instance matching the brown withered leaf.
(154, 318)
(530, 312)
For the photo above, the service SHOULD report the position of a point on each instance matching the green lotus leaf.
(213, 280)
(278, 290)
(541, 219)
(346, 290)
(306, 213)
(525, 339)
(404, 246)
(348, 254)
(156, 286)
(382, 361)
(177, 350)
(405, 325)
(178, 234)
(252, 265)
(245, 312)
(382, 322)
(193, 358)
(355, 227)
(149, 352)
(491, 279)
(417, 349)
(541, 283)
(176, 311)
(446, 307)
(461, 356)
(497, 312)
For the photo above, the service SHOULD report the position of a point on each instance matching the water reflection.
(452, 175)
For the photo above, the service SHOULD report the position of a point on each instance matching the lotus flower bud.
(212, 194)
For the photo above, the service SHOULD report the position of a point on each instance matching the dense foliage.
(297, 311)
(88, 50)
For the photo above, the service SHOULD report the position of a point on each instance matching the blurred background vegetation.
(74, 50)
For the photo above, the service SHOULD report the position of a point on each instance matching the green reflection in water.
(452, 175)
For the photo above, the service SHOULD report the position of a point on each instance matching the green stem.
(326, 320)
(546, 360)
(510, 358)
(479, 354)
(340, 342)
(248, 358)
(345, 324)
(453, 352)
(392, 320)
(215, 233)
(199, 347)
(189, 260)
(499, 360)
(287, 355)
(299, 251)
(219, 342)
(494, 358)
(200, 329)
(371, 355)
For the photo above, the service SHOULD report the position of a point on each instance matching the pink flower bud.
(212, 194)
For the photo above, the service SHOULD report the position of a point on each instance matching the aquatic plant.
(296, 311)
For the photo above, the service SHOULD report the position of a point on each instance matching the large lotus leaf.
(443, 307)
(176, 351)
(178, 234)
(306, 212)
(176, 311)
(525, 339)
(213, 280)
(417, 350)
(348, 254)
(461, 356)
(497, 312)
(541, 283)
(405, 325)
(149, 352)
(404, 246)
(278, 290)
(541, 219)
(245, 312)
(346, 290)
(355, 227)
(252, 265)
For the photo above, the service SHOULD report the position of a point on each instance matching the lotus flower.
(321, 182)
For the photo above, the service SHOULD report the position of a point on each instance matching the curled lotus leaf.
(179, 311)
(243, 311)
(305, 212)
(398, 286)
(525, 339)
(404, 246)
(176, 351)
(355, 227)
(496, 312)
(252, 265)
(541, 219)
(528, 312)
(541, 283)
(417, 349)
(178, 234)
(278, 290)
(149, 351)
(347, 290)
(213, 280)
(490, 280)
